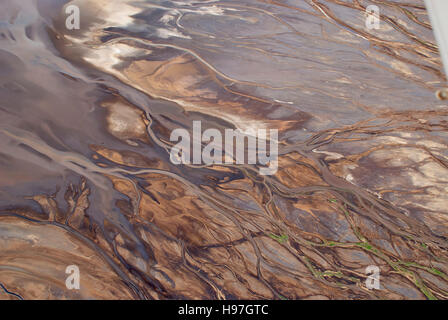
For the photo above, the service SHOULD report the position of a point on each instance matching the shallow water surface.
(85, 171)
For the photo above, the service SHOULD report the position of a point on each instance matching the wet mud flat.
(85, 171)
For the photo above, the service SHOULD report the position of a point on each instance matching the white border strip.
(438, 14)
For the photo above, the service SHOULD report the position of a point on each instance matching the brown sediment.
(84, 160)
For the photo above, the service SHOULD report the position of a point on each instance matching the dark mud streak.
(10, 293)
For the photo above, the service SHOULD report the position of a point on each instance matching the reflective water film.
(255, 149)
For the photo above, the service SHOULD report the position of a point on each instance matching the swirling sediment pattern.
(85, 171)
